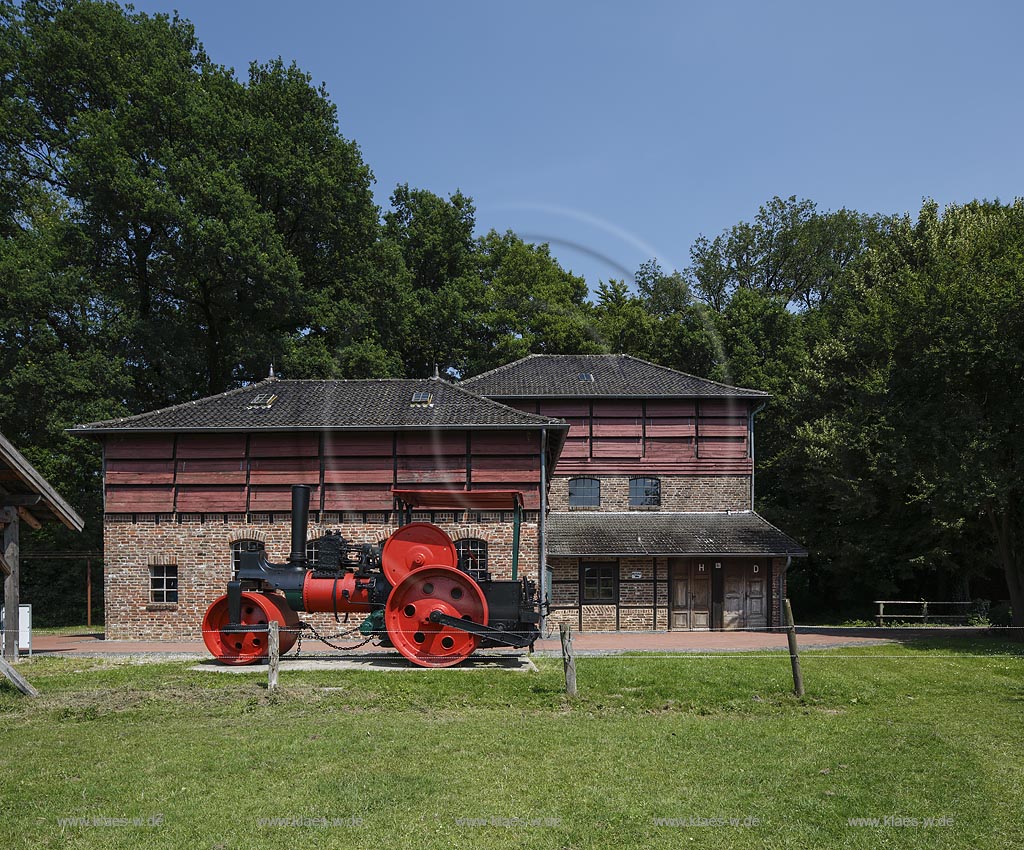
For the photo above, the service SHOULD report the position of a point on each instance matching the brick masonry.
(200, 546)
(678, 493)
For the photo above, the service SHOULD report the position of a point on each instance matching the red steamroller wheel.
(247, 647)
(408, 609)
(418, 544)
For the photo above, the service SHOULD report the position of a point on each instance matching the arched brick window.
(472, 556)
(240, 546)
(644, 492)
(584, 493)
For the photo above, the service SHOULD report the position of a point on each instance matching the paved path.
(583, 642)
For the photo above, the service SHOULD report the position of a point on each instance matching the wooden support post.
(924, 611)
(12, 595)
(794, 654)
(568, 659)
(274, 650)
(88, 591)
(19, 681)
(880, 618)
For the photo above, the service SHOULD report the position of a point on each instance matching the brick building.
(631, 481)
(651, 522)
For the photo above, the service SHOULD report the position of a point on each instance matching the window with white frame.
(240, 546)
(472, 557)
(313, 553)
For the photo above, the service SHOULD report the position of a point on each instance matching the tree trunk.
(1013, 568)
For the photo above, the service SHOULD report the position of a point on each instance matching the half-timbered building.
(624, 488)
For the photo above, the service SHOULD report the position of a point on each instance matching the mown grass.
(930, 729)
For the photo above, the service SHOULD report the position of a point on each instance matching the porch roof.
(587, 533)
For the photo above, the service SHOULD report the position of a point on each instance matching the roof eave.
(86, 431)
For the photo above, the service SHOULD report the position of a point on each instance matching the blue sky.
(621, 131)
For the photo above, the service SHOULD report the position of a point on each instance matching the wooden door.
(756, 609)
(680, 601)
(700, 598)
(679, 594)
(734, 603)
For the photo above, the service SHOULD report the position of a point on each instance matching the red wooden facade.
(658, 436)
(348, 470)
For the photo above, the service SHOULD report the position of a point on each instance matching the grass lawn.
(402, 760)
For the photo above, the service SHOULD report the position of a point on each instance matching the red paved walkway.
(582, 641)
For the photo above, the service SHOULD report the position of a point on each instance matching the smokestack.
(300, 524)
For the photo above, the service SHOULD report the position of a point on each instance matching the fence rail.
(927, 611)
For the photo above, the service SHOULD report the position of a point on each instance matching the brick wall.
(200, 547)
(678, 493)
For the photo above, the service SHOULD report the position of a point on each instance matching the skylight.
(587, 376)
(261, 401)
(423, 398)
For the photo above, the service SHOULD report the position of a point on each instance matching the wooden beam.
(28, 519)
(17, 679)
(20, 499)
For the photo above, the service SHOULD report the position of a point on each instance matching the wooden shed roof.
(18, 478)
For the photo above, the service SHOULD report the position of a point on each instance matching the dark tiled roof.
(615, 375)
(315, 405)
(606, 533)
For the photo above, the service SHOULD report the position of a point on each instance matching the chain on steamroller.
(411, 592)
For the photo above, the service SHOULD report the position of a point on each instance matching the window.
(422, 398)
(313, 553)
(599, 582)
(644, 493)
(584, 493)
(163, 583)
(262, 400)
(587, 376)
(237, 548)
(473, 557)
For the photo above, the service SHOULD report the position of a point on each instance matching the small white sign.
(636, 574)
(24, 627)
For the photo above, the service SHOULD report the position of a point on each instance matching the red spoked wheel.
(416, 545)
(407, 616)
(247, 647)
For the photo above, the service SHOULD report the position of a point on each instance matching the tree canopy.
(169, 228)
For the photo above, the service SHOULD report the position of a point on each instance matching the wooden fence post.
(274, 651)
(794, 653)
(568, 659)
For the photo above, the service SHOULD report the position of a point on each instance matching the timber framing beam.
(28, 519)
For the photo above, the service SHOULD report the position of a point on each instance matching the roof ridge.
(691, 375)
(178, 406)
(505, 366)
